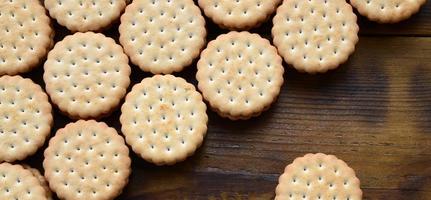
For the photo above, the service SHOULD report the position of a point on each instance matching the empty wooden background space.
(374, 112)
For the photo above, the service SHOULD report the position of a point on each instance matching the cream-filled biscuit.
(164, 119)
(315, 35)
(240, 74)
(25, 118)
(387, 11)
(87, 160)
(25, 35)
(86, 75)
(19, 183)
(238, 14)
(162, 37)
(318, 176)
(85, 15)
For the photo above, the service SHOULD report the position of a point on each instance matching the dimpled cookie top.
(85, 15)
(238, 14)
(87, 160)
(240, 74)
(164, 119)
(25, 35)
(163, 36)
(43, 182)
(86, 75)
(19, 183)
(318, 176)
(387, 11)
(315, 35)
(25, 118)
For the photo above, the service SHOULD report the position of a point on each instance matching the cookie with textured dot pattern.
(43, 182)
(25, 35)
(318, 176)
(25, 118)
(85, 15)
(387, 11)
(240, 74)
(238, 14)
(164, 119)
(315, 35)
(86, 75)
(87, 160)
(19, 183)
(163, 36)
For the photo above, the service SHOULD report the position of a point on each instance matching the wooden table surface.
(374, 112)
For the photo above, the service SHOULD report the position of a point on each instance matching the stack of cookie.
(163, 118)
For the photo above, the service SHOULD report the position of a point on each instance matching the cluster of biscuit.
(163, 117)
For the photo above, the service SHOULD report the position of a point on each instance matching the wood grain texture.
(374, 112)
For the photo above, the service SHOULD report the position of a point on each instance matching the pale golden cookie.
(87, 160)
(164, 119)
(25, 118)
(387, 11)
(315, 35)
(25, 35)
(162, 37)
(86, 75)
(43, 182)
(19, 183)
(238, 14)
(85, 15)
(240, 74)
(318, 176)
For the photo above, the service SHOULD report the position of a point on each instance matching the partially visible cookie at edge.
(86, 15)
(162, 37)
(43, 182)
(26, 35)
(164, 119)
(25, 117)
(318, 176)
(238, 14)
(87, 160)
(387, 11)
(19, 183)
(315, 36)
(87, 75)
(240, 75)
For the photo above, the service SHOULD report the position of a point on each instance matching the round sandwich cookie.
(387, 11)
(238, 14)
(25, 118)
(19, 183)
(240, 74)
(85, 15)
(25, 35)
(162, 37)
(318, 176)
(86, 75)
(315, 35)
(87, 160)
(164, 119)
(43, 182)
